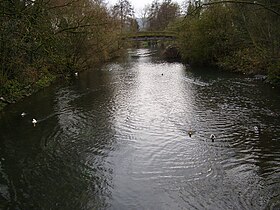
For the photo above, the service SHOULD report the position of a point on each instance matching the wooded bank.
(41, 40)
(241, 36)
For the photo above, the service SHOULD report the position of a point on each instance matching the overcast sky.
(138, 5)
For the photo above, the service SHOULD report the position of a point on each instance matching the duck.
(191, 132)
(34, 121)
(212, 137)
(256, 128)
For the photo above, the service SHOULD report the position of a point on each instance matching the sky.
(138, 5)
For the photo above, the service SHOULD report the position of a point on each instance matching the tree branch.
(63, 5)
(242, 2)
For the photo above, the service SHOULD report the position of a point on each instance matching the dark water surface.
(117, 138)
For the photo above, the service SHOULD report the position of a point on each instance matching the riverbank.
(40, 42)
(232, 37)
(14, 91)
(257, 66)
(17, 89)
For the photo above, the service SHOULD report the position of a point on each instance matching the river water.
(118, 137)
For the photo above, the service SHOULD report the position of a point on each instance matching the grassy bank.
(13, 90)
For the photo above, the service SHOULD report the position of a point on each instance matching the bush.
(247, 60)
(12, 91)
(274, 74)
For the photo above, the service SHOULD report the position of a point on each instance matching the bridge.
(150, 36)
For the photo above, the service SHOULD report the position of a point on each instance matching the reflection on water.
(117, 138)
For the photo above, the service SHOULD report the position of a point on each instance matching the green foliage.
(274, 73)
(44, 81)
(246, 60)
(236, 35)
(205, 39)
(12, 90)
(41, 38)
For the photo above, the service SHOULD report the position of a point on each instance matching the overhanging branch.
(242, 2)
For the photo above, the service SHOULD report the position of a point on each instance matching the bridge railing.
(150, 35)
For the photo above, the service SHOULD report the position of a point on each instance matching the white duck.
(23, 114)
(34, 121)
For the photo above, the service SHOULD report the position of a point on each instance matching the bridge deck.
(150, 36)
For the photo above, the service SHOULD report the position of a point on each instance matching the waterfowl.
(23, 114)
(191, 132)
(212, 137)
(76, 73)
(34, 121)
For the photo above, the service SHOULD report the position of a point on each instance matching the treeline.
(41, 39)
(159, 15)
(234, 35)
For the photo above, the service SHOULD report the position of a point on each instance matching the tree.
(233, 34)
(124, 11)
(152, 15)
(204, 39)
(160, 15)
(43, 38)
(144, 17)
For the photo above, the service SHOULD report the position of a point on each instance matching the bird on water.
(34, 121)
(191, 132)
(212, 137)
(256, 129)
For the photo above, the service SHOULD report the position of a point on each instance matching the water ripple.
(119, 138)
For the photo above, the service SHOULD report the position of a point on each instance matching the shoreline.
(46, 81)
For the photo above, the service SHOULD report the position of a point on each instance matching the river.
(117, 137)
